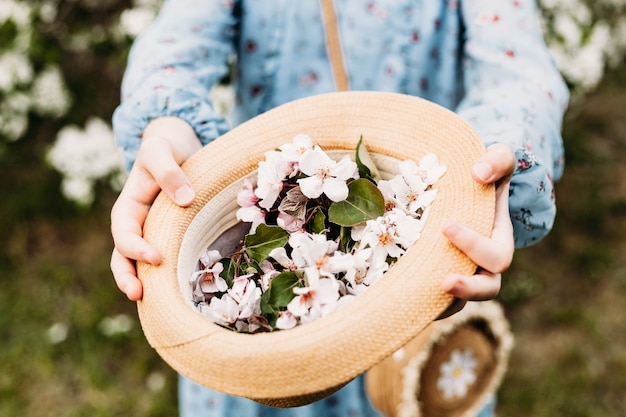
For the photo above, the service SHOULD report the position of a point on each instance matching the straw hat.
(306, 363)
(451, 369)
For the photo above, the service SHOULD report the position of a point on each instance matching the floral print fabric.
(483, 59)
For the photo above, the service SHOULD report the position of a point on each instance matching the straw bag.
(451, 369)
(304, 364)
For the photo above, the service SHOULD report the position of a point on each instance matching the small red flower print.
(256, 89)
(487, 17)
(424, 84)
(523, 164)
(542, 187)
(415, 36)
(438, 24)
(250, 46)
(309, 78)
(510, 53)
(376, 10)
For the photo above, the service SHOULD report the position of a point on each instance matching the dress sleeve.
(171, 69)
(515, 95)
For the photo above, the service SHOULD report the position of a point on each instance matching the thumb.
(496, 163)
(158, 158)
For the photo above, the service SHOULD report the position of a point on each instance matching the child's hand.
(493, 255)
(167, 143)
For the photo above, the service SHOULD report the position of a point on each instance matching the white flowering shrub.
(28, 83)
(85, 156)
(586, 37)
(39, 40)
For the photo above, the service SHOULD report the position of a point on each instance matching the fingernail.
(450, 284)
(482, 170)
(184, 195)
(152, 256)
(451, 229)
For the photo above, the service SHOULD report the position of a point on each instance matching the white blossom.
(315, 300)
(118, 324)
(16, 11)
(49, 94)
(286, 320)
(136, 20)
(84, 157)
(15, 69)
(57, 333)
(271, 173)
(457, 374)
(224, 310)
(325, 176)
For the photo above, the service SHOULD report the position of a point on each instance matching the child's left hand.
(494, 254)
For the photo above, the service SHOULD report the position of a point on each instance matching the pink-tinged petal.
(286, 321)
(209, 259)
(246, 196)
(299, 305)
(293, 151)
(269, 195)
(224, 310)
(249, 214)
(212, 283)
(289, 223)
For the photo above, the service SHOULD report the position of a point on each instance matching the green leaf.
(364, 202)
(259, 245)
(229, 271)
(281, 289)
(345, 240)
(367, 167)
(318, 223)
(266, 308)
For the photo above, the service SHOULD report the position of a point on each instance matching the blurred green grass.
(565, 297)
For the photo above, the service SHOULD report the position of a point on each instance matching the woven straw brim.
(323, 355)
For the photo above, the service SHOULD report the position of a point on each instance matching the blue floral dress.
(484, 59)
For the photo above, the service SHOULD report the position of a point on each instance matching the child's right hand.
(167, 143)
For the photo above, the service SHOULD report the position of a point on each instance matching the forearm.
(515, 95)
(171, 70)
